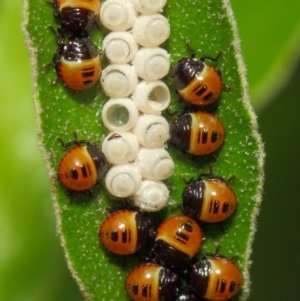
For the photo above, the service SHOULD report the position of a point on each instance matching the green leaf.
(29, 249)
(210, 27)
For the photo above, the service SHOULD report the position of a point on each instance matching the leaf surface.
(211, 28)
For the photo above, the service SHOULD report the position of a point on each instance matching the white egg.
(119, 47)
(119, 114)
(151, 30)
(151, 97)
(151, 197)
(118, 80)
(117, 15)
(149, 6)
(151, 63)
(120, 148)
(123, 180)
(155, 164)
(152, 131)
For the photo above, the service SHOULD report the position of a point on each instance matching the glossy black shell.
(76, 19)
(98, 158)
(180, 132)
(169, 256)
(198, 277)
(186, 296)
(79, 47)
(167, 284)
(192, 198)
(185, 71)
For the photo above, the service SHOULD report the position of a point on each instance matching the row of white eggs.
(121, 80)
(153, 164)
(150, 62)
(121, 115)
(149, 29)
(135, 145)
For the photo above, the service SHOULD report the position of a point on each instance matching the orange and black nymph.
(198, 133)
(82, 166)
(209, 198)
(125, 232)
(152, 282)
(216, 278)
(77, 62)
(178, 240)
(196, 82)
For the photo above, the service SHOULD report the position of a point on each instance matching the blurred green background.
(32, 265)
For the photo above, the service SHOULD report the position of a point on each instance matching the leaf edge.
(260, 155)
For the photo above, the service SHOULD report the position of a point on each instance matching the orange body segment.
(207, 133)
(119, 232)
(182, 233)
(142, 284)
(92, 5)
(77, 171)
(80, 75)
(204, 89)
(225, 280)
(219, 201)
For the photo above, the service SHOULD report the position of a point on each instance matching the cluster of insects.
(76, 61)
(172, 271)
(135, 153)
(197, 132)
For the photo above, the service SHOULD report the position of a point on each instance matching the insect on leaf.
(210, 27)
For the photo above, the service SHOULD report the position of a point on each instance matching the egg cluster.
(135, 146)
(133, 161)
